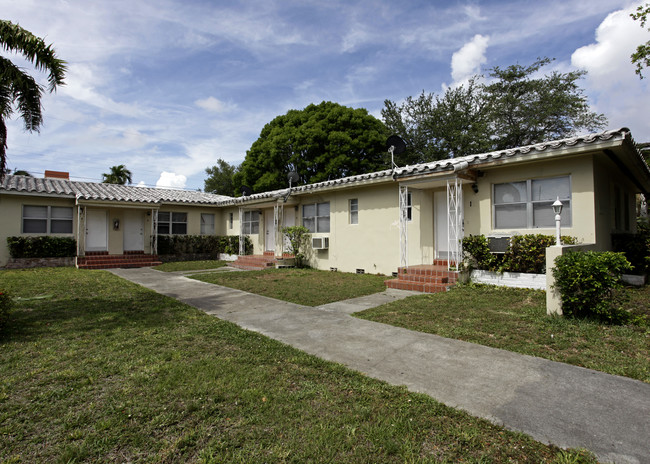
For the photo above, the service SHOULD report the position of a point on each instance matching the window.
(354, 211)
(231, 219)
(47, 219)
(316, 217)
(207, 224)
(172, 223)
(251, 222)
(528, 204)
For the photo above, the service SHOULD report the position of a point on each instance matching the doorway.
(133, 230)
(96, 230)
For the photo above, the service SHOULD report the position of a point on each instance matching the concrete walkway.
(553, 402)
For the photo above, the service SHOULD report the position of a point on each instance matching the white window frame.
(317, 229)
(207, 227)
(354, 211)
(48, 218)
(567, 211)
(251, 222)
(175, 218)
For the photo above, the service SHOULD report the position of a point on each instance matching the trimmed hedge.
(42, 247)
(590, 285)
(202, 244)
(525, 253)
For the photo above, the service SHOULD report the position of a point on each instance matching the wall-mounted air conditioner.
(320, 243)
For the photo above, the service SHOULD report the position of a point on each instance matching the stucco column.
(553, 299)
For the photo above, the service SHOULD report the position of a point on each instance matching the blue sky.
(167, 87)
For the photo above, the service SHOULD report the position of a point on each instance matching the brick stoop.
(257, 262)
(130, 259)
(426, 278)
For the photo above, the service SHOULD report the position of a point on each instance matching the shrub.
(635, 246)
(477, 250)
(527, 253)
(42, 247)
(590, 285)
(6, 304)
(202, 244)
(298, 240)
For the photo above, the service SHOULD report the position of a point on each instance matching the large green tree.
(118, 175)
(18, 90)
(641, 57)
(320, 142)
(515, 108)
(220, 178)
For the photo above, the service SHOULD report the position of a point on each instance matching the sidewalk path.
(555, 403)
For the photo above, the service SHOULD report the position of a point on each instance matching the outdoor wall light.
(557, 209)
(475, 188)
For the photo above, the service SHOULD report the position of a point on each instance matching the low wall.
(510, 279)
(27, 263)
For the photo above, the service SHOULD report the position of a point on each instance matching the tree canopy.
(18, 90)
(641, 57)
(118, 175)
(320, 142)
(513, 109)
(220, 178)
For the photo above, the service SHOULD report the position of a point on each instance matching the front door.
(96, 230)
(269, 230)
(133, 230)
(441, 224)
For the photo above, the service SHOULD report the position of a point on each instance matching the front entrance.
(133, 230)
(269, 230)
(96, 230)
(441, 227)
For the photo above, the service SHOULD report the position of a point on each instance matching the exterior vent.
(361, 271)
(57, 175)
(320, 243)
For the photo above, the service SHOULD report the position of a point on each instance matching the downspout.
(79, 248)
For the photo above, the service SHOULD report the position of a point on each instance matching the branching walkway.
(553, 402)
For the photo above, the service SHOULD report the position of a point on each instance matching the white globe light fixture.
(557, 209)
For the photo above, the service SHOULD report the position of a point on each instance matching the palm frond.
(21, 89)
(14, 38)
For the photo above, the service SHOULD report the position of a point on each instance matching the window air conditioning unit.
(320, 243)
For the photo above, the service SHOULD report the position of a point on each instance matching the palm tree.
(18, 90)
(118, 175)
(21, 172)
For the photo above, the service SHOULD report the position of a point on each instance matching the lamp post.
(557, 209)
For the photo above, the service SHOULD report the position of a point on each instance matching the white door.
(133, 230)
(441, 224)
(269, 230)
(96, 230)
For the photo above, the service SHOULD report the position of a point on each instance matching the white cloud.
(614, 88)
(212, 104)
(171, 180)
(468, 60)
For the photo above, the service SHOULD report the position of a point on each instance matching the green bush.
(635, 246)
(298, 240)
(6, 304)
(527, 253)
(202, 244)
(477, 251)
(42, 247)
(590, 285)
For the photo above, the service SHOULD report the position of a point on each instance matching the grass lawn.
(307, 287)
(96, 369)
(190, 265)
(516, 320)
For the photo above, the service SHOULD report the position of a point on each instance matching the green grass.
(96, 369)
(516, 320)
(190, 265)
(307, 287)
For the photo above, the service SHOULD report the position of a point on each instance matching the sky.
(167, 87)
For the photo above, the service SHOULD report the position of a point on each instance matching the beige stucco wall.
(11, 222)
(478, 206)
